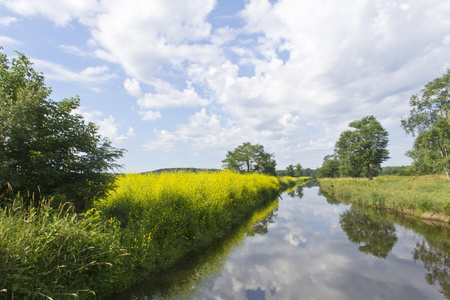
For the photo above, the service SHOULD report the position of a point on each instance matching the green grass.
(147, 224)
(46, 252)
(417, 195)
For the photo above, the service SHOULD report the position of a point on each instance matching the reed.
(52, 253)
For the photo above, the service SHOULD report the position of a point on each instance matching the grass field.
(423, 196)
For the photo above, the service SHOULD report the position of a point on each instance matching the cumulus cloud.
(204, 130)
(147, 36)
(165, 96)
(108, 127)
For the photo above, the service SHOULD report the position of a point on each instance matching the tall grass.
(419, 194)
(51, 253)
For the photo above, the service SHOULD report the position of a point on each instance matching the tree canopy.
(45, 147)
(429, 122)
(293, 171)
(362, 150)
(250, 158)
(330, 167)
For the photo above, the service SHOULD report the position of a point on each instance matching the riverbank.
(145, 225)
(426, 197)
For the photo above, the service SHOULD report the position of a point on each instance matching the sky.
(180, 83)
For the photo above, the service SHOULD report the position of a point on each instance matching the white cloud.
(75, 50)
(59, 11)
(6, 21)
(165, 141)
(166, 96)
(204, 131)
(150, 115)
(6, 41)
(148, 35)
(108, 127)
(89, 75)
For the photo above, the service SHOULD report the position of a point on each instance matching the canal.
(308, 247)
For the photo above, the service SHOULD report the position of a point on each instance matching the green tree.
(330, 167)
(362, 150)
(250, 158)
(298, 170)
(290, 171)
(45, 148)
(429, 120)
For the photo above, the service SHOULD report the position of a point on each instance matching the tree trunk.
(369, 173)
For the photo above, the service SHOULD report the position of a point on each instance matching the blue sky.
(179, 83)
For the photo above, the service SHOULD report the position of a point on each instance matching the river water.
(308, 247)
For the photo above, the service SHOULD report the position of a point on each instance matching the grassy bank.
(422, 196)
(145, 225)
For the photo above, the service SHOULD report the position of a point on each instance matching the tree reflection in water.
(262, 227)
(378, 237)
(437, 263)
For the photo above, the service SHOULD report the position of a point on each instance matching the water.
(310, 248)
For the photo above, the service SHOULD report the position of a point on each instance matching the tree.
(298, 170)
(362, 150)
(45, 148)
(330, 167)
(290, 171)
(250, 158)
(430, 120)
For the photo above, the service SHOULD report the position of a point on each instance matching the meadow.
(145, 225)
(427, 197)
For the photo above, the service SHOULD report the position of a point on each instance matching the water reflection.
(437, 263)
(262, 227)
(199, 270)
(308, 249)
(378, 238)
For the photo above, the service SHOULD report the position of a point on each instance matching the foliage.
(430, 120)
(424, 194)
(52, 253)
(44, 146)
(292, 171)
(396, 170)
(248, 158)
(330, 167)
(362, 150)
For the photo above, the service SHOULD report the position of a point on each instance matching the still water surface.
(312, 248)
